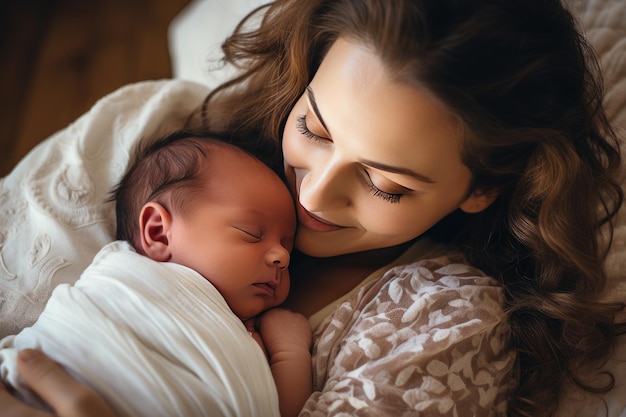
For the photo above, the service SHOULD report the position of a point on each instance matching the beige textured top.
(427, 336)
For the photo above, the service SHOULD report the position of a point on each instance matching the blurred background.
(58, 57)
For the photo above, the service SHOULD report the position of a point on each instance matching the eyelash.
(375, 191)
(301, 127)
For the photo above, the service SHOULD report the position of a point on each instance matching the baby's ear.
(154, 223)
(478, 201)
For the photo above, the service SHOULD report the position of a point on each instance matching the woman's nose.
(325, 188)
(278, 257)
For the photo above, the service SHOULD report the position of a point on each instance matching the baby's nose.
(279, 258)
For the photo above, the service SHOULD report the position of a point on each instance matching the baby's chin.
(251, 313)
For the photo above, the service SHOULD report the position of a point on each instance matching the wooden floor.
(57, 57)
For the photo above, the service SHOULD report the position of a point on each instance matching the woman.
(429, 135)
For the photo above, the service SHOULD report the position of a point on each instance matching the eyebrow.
(397, 170)
(316, 110)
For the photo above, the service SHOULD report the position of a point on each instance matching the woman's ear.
(155, 222)
(478, 201)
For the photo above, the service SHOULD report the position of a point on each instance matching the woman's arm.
(287, 339)
(65, 396)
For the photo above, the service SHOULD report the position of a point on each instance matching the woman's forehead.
(379, 118)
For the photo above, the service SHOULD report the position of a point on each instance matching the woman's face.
(372, 163)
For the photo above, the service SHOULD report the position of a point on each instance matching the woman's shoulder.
(436, 294)
(444, 282)
(428, 270)
(434, 265)
(450, 270)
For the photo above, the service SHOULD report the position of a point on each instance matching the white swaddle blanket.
(154, 339)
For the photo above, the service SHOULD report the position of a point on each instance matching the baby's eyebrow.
(316, 110)
(397, 170)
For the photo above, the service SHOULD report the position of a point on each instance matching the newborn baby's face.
(238, 233)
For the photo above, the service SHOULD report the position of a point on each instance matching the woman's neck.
(371, 259)
(316, 282)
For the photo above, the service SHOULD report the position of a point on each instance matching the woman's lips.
(312, 222)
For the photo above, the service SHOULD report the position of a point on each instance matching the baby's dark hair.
(168, 171)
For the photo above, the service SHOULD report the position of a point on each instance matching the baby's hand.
(287, 337)
(283, 330)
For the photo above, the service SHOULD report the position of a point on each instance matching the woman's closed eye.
(390, 197)
(304, 130)
(377, 192)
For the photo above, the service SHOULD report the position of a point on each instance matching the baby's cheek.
(283, 289)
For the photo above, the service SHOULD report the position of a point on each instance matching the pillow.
(55, 217)
(196, 34)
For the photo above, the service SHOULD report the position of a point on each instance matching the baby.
(165, 321)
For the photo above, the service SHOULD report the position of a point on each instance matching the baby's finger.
(65, 395)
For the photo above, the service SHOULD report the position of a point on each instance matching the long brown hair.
(528, 90)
